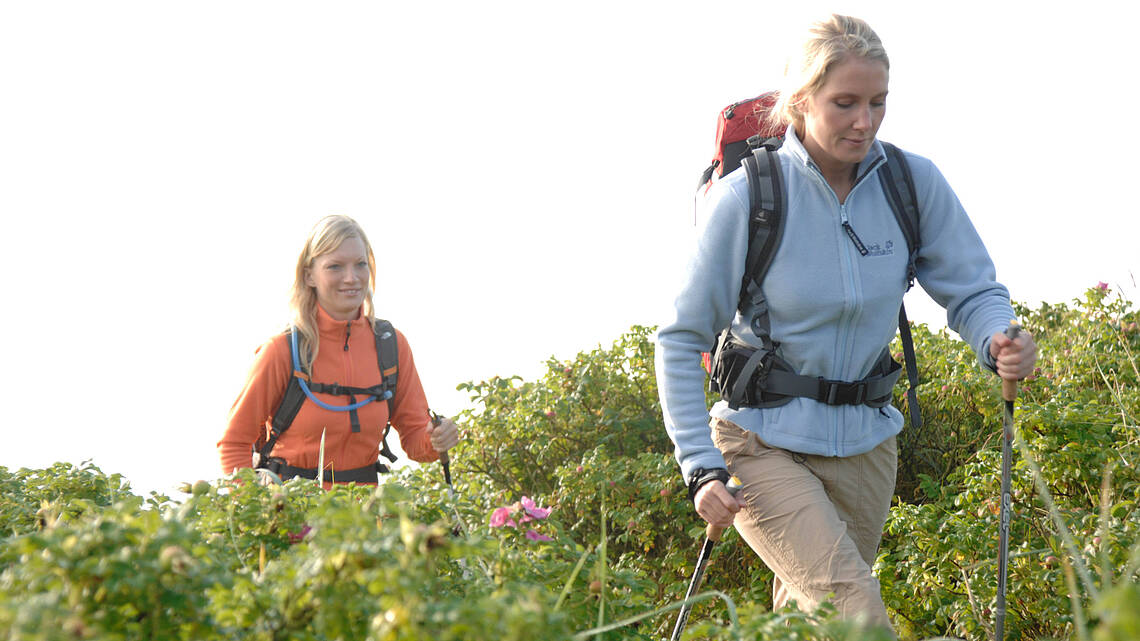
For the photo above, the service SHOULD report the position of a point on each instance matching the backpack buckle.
(911, 269)
(842, 392)
(274, 464)
(380, 391)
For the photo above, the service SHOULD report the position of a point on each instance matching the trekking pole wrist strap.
(701, 476)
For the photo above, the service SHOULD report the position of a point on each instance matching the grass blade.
(703, 596)
(321, 460)
(570, 581)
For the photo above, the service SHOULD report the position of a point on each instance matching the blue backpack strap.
(898, 185)
(309, 392)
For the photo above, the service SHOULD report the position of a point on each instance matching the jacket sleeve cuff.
(986, 358)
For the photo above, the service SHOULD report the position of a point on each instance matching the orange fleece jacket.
(347, 355)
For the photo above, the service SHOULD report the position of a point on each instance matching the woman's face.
(843, 116)
(341, 279)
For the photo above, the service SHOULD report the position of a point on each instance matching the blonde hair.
(828, 43)
(326, 237)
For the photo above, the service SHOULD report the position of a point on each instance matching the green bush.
(591, 428)
(606, 548)
(521, 431)
(34, 498)
(120, 573)
(1077, 422)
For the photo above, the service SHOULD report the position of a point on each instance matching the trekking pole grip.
(713, 532)
(436, 419)
(1009, 386)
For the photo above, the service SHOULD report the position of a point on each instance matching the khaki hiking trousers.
(815, 521)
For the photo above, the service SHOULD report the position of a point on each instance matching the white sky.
(525, 171)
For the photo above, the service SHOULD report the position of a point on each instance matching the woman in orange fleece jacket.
(332, 316)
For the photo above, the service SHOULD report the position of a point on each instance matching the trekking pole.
(1009, 395)
(445, 461)
(712, 535)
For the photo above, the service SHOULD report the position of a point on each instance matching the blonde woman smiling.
(338, 370)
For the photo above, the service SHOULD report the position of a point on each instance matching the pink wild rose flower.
(502, 516)
(529, 510)
(297, 537)
(532, 511)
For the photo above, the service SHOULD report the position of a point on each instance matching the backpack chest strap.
(379, 391)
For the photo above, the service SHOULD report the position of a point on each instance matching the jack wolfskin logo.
(886, 249)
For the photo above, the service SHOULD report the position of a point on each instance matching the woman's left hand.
(443, 436)
(1015, 358)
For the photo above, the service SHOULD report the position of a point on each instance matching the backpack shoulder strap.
(287, 410)
(387, 354)
(388, 359)
(765, 228)
(898, 184)
(766, 207)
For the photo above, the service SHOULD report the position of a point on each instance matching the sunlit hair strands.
(828, 43)
(326, 237)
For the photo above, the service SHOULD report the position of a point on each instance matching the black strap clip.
(842, 392)
(274, 464)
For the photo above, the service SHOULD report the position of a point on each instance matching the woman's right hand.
(716, 505)
(443, 436)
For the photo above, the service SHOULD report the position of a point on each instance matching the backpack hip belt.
(366, 474)
(754, 377)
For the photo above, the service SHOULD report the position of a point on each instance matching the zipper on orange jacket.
(348, 378)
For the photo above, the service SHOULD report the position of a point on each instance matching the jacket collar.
(330, 327)
(875, 155)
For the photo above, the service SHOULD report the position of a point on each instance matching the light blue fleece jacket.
(833, 310)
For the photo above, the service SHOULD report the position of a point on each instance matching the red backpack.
(740, 129)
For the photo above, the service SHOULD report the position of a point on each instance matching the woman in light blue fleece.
(817, 477)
